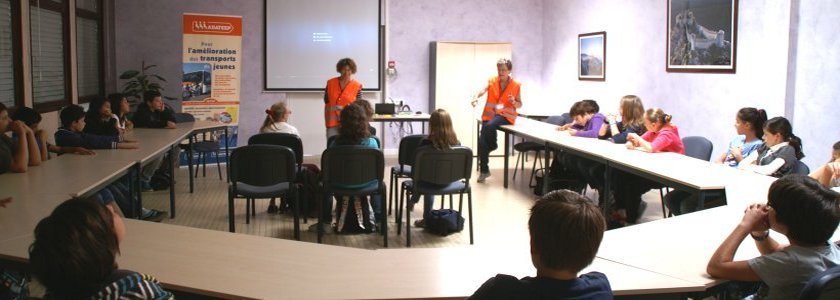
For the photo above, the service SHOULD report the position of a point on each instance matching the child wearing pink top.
(661, 136)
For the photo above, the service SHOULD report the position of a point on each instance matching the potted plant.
(140, 82)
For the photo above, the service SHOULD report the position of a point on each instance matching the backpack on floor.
(309, 189)
(161, 179)
(444, 222)
(354, 215)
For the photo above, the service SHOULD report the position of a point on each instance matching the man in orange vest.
(340, 92)
(503, 99)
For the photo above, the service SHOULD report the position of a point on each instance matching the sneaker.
(483, 176)
(146, 187)
(314, 228)
(273, 209)
(153, 215)
(420, 223)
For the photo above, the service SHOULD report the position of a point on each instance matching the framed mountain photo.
(592, 55)
(702, 36)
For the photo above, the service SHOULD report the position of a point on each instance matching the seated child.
(16, 156)
(829, 174)
(32, 118)
(566, 231)
(780, 152)
(807, 213)
(74, 256)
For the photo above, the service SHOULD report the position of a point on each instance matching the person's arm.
(169, 116)
(127, 146)
(92, 141)
(721, 158)
(603, 130)
(43, 147)
(20, 158)
(721, 264)
(770, 168)
(32, 147)
(748, 162)
(480, 93)
(517, 100)
(736, 153)
(595, 124)
(71, 150)
(824, 174)
(641, 143)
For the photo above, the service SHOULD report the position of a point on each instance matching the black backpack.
(444, 222)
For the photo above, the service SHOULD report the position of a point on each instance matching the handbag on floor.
(444, 222)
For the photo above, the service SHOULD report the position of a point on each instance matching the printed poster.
(211, 72)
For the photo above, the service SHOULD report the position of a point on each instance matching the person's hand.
(4, 201)
(834, 168)
(18, 127)
(474, 102)
(129, 125)
(41, 134)
(755, 218)
(572, 132)
(170, 125)
(78, 150)
(629, 145)
(564, 127)
(736, 151)
(610, 119)
(633, 137)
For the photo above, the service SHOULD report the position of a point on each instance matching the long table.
(666, 256)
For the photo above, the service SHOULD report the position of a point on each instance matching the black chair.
(282, 139)
(405, 159)
(352, 165)
(262, 171)
(801, 168)
(203, 147)
(825, 285)
(439, 172)
(697, 147)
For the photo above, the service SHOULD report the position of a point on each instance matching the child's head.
(803, 209)
(278, 112)
(119, 104)
(75, 248)
(28, 116)
(99, 108)
(154, 100)
(631, 110)
(582, 111)
(366, 107)
(566, 231)
(778, 130)
(73, 118)
(835, 152)
(656, 118)
(752, 120)
(441, 133)
(354, 123)
(4, 118)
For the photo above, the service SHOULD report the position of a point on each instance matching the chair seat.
(367, 190)
(528, 146)
(437, 189)
(206, 146)
(401, 170)
(253, 191)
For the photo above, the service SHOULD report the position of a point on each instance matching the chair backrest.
(802, 168)
(442, 166)
(331, 139)
(281, 139)
(698, 147)
(825, 285)
(408, 147)
(351, 165)
(183, 117)
(559, 120)
(262, 165)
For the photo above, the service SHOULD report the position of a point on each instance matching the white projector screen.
(304, 39)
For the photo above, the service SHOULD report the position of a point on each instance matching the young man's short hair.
(27, 115)
(583, 107)
(566, 230)
(148, 96)
(71, 114)
(808, 209)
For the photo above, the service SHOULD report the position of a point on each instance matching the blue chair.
(825, 285)
(352, 165)
(439, 172)
(697, 147)
(801, 168)
(262, 171)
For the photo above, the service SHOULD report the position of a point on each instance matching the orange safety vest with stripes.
(498, 101)
(337, 99)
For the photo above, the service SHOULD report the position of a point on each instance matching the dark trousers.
(628, 190)
(487, 141)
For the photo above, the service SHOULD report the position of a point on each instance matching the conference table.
(661, 257)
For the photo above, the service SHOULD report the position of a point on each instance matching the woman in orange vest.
(340, 92)
(503, 99)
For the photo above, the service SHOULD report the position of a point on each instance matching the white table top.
(402, 117)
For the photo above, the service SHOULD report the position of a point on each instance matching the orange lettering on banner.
(215, 25)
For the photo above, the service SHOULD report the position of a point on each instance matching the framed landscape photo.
(592, 56)
(701, 36)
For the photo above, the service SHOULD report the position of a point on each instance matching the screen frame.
(380, 38)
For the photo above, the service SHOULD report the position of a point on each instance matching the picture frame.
(701, 36)
(592, 56)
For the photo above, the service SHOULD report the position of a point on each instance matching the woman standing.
(340, 92)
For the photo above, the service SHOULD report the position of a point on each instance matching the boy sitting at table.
(566, 231)
(152, 113)
(807, 213)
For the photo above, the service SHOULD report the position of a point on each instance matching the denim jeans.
(487, 141)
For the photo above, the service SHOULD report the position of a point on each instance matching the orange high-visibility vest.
(337, 99)
(496, 96)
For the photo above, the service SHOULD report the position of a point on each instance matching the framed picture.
(592, 53)
(702, 36)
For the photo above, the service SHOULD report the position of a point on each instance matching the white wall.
(702, 104)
